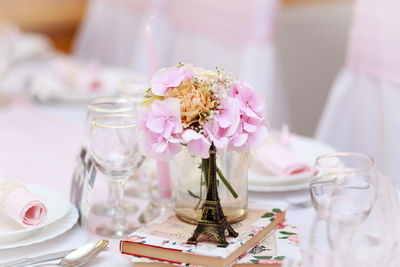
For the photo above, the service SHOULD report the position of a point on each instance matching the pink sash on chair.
(236, 21)
(375, 40)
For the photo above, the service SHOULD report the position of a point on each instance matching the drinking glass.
(343, 193)
(114, 146)
(134, 91)
(102, 106)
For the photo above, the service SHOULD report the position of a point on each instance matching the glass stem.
(118, 220)
(110, 197)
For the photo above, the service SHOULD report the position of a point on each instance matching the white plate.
(305, 148)
(48, 88)
(53, 230)
(31, 45)
(57, 207)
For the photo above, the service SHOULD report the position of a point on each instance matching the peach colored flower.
(196, 102)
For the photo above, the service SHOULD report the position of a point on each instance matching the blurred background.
(328, 69)
(310, 42)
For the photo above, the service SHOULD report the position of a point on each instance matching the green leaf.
(271, 219)
(279, 258)
(193, 194)
(251, 234)
(263, 257)
(287, 233)
(254, 261)
(283, 237)
(267, 215)
(276, 210)
(226, 183)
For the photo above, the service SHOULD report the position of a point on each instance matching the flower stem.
(226, 183)
(204, 164)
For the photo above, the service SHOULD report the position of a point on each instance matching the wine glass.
(114, 146)
(101, 106)
(343, 193)
(134, 91)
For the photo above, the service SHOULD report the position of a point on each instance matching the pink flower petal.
(189, 135)
(156, 124)
(169, 126)
(258, 138)
(199, 147)
(229, 113)
(240, 140)
(251, 128)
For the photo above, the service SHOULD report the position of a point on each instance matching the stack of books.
(163, 242)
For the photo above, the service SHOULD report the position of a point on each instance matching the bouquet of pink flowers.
(190, 106)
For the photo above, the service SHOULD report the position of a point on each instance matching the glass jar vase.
(190, 185)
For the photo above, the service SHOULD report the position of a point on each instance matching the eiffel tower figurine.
(213, 220)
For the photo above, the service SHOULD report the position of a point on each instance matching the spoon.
(81, 255)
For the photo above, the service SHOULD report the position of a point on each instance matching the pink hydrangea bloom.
(165, 79)
(187, 71)
(228, 115)
(162, 128)
(251, 103)
(157, 146)
(165, 117)
(215, 133)
(250, 133)
(197, 143)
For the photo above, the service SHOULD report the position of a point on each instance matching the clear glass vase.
(190, 185)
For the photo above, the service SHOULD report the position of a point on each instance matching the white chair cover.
(363, 111)
(233, 34)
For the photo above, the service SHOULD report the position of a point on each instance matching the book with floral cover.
(271, 251)
(165, 239)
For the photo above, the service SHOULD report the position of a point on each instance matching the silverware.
(35, 260)
(70, 258)
(81, 255)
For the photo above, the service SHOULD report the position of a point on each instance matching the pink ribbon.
(375, 39)
(24, 207)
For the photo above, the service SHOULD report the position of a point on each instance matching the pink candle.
(163, 171)
(151, 51)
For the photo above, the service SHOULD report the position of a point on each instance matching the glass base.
(108, 230)
(133, 191)
(152, 211)
(192, 216)
(102, 209)
(157, 207)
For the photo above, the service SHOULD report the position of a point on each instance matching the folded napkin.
(78, 75)
(20, 204)
(277, 159)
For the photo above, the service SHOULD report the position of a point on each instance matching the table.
(55, 132)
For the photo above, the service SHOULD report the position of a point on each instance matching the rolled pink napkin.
(20, 204)
(277, 159)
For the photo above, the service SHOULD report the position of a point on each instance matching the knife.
(34, 260)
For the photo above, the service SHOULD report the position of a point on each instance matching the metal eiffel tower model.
(213, 220)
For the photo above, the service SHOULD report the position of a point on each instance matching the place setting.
(178, 151)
